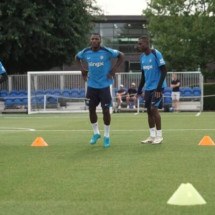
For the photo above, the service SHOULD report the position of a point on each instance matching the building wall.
(121, 33)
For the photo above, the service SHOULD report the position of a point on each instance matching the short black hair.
(144, 37)
(98, 34)
(147, 38)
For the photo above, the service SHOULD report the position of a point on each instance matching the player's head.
(95, 41)
(133, 85)
(174, 76)
(143, 43)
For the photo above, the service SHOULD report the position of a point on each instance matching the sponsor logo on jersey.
(148, 67)
(97, 64)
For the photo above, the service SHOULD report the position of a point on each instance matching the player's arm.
(119, 61)
(175, 85)
(83, 69)
(3, 74)
(172, 85)
(135, 94)
(3, 77)
(141, 84)
(163, 70)
(178, 84)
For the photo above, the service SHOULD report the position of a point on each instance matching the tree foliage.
(41, 34)
(184, 30)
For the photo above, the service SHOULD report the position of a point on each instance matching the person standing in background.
(175, 85)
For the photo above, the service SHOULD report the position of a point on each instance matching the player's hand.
(111, 75)
(158, 94)
(139, 93)
(84, 74)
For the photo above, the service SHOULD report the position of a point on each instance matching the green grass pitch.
(72, 177)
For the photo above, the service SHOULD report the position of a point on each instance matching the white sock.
(159, 133)
(152, 132)
(106, 130)
(95, 128)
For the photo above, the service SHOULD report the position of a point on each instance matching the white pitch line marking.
(3, 129)
(16, 129)
(198, 114)
(117, 130)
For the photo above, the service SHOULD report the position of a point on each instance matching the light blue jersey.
(2, 69)
(150, 64)
(99, 65)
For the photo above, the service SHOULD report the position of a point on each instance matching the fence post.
(9, 83)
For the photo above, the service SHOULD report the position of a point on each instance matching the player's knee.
(149, 111)
(105, 110)
(92, 109)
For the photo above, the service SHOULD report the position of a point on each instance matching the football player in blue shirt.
(97, 69)
(153, 80)
(3, 74)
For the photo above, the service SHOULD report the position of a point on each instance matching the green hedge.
(209, 102)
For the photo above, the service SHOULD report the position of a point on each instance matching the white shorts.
(176, 96)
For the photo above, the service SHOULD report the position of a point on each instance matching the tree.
(38, 34)
(184, 30)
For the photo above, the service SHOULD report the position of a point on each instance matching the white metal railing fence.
(73, 80)
(19, 82)
(188, 79)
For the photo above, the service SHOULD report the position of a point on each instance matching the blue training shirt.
(2, 69)
(150, 64)
(99, 65)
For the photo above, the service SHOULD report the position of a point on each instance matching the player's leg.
(119, 100)
(106, 116)
(156, 118)
(128, 101)
(157, 103)
(107, 120)
(159, 136)
(106, 101)
(93, 96)
(151, 120)
(177, 101)
(134, 98)
(173, 100)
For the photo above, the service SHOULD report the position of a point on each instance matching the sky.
(122, 7)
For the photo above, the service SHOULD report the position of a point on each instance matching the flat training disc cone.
(186, 194)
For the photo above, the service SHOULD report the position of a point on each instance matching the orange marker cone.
(38, 142)
(206, 141)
